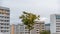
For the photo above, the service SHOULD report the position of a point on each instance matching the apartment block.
(22, 29)
(38, 27)
(4, 20)
(47, 27)
(55, 23)
(17, 29)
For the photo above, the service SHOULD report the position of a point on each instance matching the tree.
(28, 19)
(45, 32)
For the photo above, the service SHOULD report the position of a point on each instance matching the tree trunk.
(29, 31)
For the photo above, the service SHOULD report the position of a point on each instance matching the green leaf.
(28, 19)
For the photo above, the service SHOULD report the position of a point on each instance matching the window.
(7, 10)
(26, 28)
(57, 31)
(7, 13)
(1, 20)
(1, 16)
(6, 20)
(7, 17)
(1, 30)
(57, 23)
(57, 26)
(6, 27)
(7, 31)
(1, 27)
(37, 30)
(4, 23)
(42, 28)
(57, 16)
(4, 30)
(8, 24)
(1, 23)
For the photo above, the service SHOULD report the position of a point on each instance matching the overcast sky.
(40, 7)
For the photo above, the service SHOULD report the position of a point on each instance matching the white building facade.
(39, 26)
(55, 23)
(4, 20)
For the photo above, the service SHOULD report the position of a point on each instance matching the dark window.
(57, 16)
(7, 20)
(7, 13)
(7, 31)
(37, 30)
(1, 30)
(1, 20)
(57, 23)
(57, 31)
(7, 17)
(57, 26)
(8, 10)
(7, 24)
(7, 27)
(1, 27)
(1, 23)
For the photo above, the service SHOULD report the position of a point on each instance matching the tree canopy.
(28, 19)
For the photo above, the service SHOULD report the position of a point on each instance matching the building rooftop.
(5, 8)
